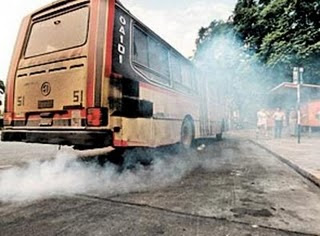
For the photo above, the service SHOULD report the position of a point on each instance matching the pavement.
(304, 157)
(231, 187)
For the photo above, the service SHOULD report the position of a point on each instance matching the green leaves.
(284, 33)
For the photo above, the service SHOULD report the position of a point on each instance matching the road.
(230, 188)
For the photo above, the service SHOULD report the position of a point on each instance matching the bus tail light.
(97, 116)
(7, 119)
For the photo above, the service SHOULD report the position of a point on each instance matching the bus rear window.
(58, 33)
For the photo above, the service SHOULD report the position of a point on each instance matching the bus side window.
(140, 47)
(186, 76)
(194, 84)
(158, 57)
(152, 55)
(175, 69)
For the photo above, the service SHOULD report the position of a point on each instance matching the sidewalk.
(303, 157)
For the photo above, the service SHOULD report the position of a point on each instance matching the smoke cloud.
(65, 175)
(232, 69)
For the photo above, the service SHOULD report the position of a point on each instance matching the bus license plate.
(46, 122)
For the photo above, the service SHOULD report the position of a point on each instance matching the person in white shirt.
(262, 120)
(279, 117)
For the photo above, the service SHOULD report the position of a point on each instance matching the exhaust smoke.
(241, 80)
(66, 175)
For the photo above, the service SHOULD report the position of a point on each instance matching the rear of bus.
(56, 76)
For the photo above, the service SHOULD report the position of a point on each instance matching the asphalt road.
(230, 188)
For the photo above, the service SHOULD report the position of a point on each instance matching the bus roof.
(45, 10)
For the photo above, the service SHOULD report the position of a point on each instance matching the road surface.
(229, 188)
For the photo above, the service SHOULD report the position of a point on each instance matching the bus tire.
(187, 133)
(219, 135)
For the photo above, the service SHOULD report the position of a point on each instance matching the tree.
(214, 30)
(2, 87)
(284, 33)
(259, 46)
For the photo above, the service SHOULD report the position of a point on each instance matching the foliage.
(281, 34)
(258, 47)
(284, 34)
(2, 87)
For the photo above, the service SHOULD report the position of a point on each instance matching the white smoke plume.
(240, 78)
(65, 175)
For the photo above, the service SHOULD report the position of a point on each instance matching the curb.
(295, 167)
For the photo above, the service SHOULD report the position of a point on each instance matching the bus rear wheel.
(187, 133)
(219, 137)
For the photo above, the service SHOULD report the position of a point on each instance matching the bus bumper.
(72, 137)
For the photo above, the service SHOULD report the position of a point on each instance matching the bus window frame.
(181, 85)
(48, 17)
(148, 70)
(173, 56)
(134, 60)
(162, 46)
(171, 83)
(167, 80)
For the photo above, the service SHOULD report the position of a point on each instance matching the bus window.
(71, 29)
(194, 84)
(175, 69)
(140, 47)
(151, 54)
(186, 76)
(158, 57)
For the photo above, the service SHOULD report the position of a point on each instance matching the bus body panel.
(50, 90)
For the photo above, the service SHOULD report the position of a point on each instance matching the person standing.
(262, 120)
(278, 117)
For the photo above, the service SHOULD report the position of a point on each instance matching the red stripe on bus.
(14, 64)
(109, 37)
(92, 52)
(120, 143)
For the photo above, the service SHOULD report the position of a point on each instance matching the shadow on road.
(128, 158)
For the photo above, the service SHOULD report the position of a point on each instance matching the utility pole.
(299, 82)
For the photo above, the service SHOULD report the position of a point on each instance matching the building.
(285, 96)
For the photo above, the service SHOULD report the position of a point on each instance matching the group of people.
(279, 119)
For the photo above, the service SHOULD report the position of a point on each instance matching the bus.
(89, 74)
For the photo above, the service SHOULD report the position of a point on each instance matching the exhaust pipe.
(91, 153)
